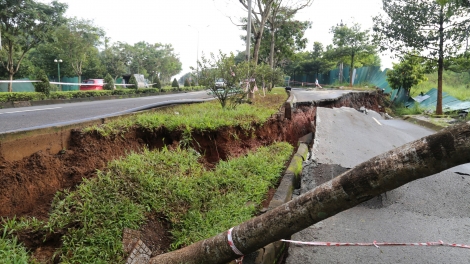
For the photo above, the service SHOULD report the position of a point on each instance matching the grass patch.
(10, 250)
(455, 84)
(401, 110)
(198, 203)
(200, 117)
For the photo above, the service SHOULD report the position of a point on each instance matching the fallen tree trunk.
(415, 160)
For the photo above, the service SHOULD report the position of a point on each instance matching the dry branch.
(415, 160)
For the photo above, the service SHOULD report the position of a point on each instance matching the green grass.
(455, 84)
(12, 252)
(200, 117)
(401, 110)
(198, 203)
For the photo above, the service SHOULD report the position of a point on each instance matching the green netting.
(70, 87)
(18, 87)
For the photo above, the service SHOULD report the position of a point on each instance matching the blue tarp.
(449, 103)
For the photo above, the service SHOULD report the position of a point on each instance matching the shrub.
(193, 83)
(186, 83)
(175, 84)
(109, 82)
(43, 86)
(156, 83)
(133, 81)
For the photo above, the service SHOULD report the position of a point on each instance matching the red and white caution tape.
(376, 244)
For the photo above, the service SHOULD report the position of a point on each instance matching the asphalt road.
(427, 210)
(28, 118)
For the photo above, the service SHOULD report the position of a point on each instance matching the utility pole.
(248, 32)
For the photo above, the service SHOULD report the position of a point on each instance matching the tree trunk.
(415, 160)
(351, 70)
(440, 63)
(10, 84)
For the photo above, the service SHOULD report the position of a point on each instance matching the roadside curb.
(290, 181)
(423, 123)
(16, 104)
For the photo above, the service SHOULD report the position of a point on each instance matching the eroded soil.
(29, 185)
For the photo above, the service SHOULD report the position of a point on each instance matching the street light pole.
(197, 54)
(58, 71)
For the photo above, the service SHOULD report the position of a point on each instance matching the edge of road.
(16, 104)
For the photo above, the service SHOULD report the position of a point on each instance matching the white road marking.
(31, 110)
(377, 121)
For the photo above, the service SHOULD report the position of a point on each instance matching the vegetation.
(175, 83)
(455, 84)
(25, 24)
(200, 117)
(156, 83)
(43, 86)
(406, 74)
(352, 46)
(436, 30)
(197, 202)
(109, 82)
(133, 82)
(186, 83)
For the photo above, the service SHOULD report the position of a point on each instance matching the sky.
(196, 26)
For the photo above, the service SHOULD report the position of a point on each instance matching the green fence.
(18, 87)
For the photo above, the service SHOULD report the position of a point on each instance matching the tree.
(77, 43)
(114, 59)
(223, 67)
(175, 84)
(406, 74)
(351, 44)
(156, 83)
(109, 82)
(317, 62)
(24, 24)
(385, 172)
(133, 81)
(436, 29)
(43, 86)
(281, 14)
(187, 83)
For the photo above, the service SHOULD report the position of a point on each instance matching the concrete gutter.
(271, 253)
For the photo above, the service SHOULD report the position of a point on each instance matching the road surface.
(28, 118)
(427, 210)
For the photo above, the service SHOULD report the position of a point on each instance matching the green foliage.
(109, 82)
(198, 203)
(175, 83)
(406, 74)
(156, 83)
(402, 110)
(21, 96)
(351, 46)
(205, 116)
(133, 82)
(455, 84)
(11, 251)
(186, 83)
(434, 29)
(193, 83)
(223, 68)
(43, 86)
(26, 24)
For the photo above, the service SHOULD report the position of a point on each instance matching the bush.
(134, 83)
(186, 83)
(109, 82)
(43, 86)
(193, 83)
(175, 84)
(156, 83)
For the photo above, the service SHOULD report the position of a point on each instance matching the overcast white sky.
(179, 22)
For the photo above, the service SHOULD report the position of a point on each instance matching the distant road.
(27, 118)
